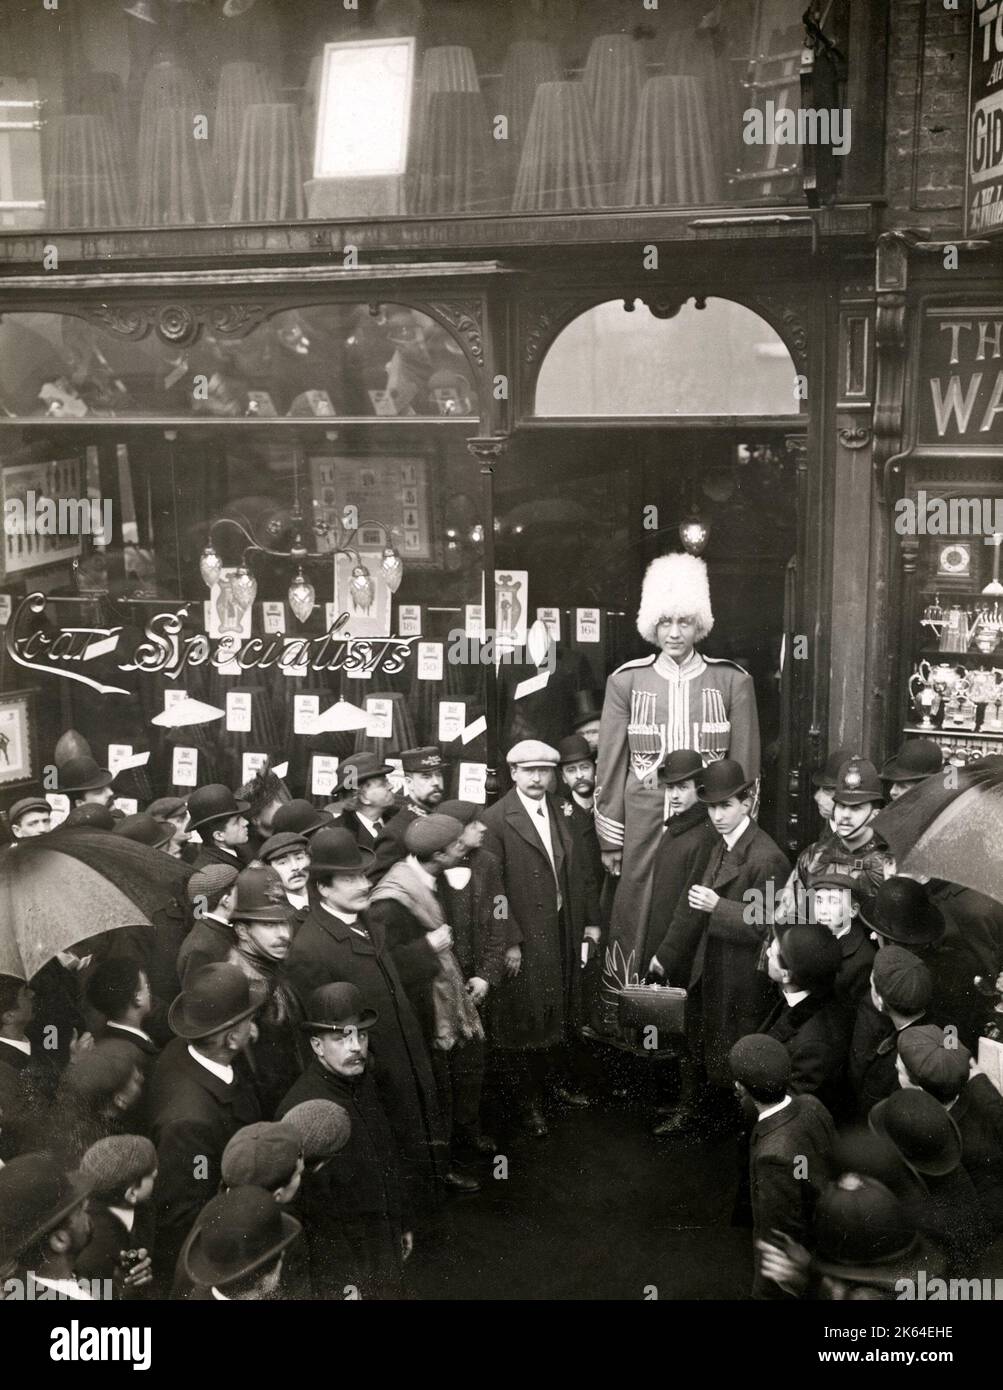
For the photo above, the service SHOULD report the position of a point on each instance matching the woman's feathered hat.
(677, 584)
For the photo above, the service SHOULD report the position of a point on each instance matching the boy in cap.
(211, 893)
(808, 1019)
(424, 788)
(174, 810)
(899, 998)
(324, 1129)
(29, 818)
(237, 1248)
(834, 903)
(789, 1148)
(123, 1170)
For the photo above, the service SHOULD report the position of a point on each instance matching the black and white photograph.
(501, 634)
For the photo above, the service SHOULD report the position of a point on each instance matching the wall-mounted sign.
(364, 110)
(961, 377)
(984, 172)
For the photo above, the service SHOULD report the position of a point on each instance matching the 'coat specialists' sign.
(984, 181)
(961, 378)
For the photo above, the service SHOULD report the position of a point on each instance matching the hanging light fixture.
(301, 596)
(210, 566)
(142, 9)
(244, 587)
(694, 534)
(392, 567)
(362, 588)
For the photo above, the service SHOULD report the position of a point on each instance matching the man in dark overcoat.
(337, 942)
(537, 1009)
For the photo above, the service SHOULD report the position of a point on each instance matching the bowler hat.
(856, 783)
(300, 817)
(212, 803)
(463, 811)
(36, 1193)
(760, 1062)
(811, 954)
(422, 760)
(428, 834)
(91, 815)
(334, 1008)
(532, 752)
(939, 1069)
(284, 843)
(588, 706)
(917, 759)
(862, 1232)
(264, 1154)
(683, 765)
(901, 911)
(26, 804)
(921, 1129)
(902, 980)
(574, 749)
(82, 775)
(166, 806)
(324, 1128)
(826, 777)
(239, 1231)
(260, 896)
(723, 779)
(336, 851)
(144, 830)
(357, 767)
(214, 998)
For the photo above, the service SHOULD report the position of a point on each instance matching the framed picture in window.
(18, 759)
(393, 489)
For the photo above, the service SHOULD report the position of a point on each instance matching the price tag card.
(60, 807)
(323, 772)
(381, 716)
(5, 609)
(126, 805)
(474, 620)
(117, 754)
(587, 624)
(452, 719)
(251, 764)
(532, 685)
(238, 712)
(274, 615)
(479, 726)
(281, 770)
(473, 777)
(184, 767)
(306, 708)
(409, 620)
(552, 618)
(430, 661)
(133, 760)
(174, 697)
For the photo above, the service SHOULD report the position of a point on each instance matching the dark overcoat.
(853, 981)
(213, 854)
(480, 932)
(674, 929)
(816, 1034)
(788, 1170)
(537, 1007)
(390, 846)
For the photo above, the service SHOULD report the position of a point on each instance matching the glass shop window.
(721, 359)
(151, 113)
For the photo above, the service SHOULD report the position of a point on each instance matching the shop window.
(719, 360)
(323, 360)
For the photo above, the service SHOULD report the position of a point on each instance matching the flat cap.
(324, 1128)
(902, 980)
(26, 804)
(463, 811)
(98, 1073)
(760, 1062)
(530, 752)
(165, 806)
(431, 833)
(212, 881)
(261, 1155)
(930, 1062)
(118, 1161)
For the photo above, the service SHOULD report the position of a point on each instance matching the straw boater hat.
(675, 584)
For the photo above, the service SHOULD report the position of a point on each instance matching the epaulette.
(725, 661)
(638, 661)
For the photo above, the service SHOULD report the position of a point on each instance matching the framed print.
(17, 738)
(44, 515)
(395, 488)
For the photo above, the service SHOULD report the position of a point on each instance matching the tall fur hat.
(675, 583)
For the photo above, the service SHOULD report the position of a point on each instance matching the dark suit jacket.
(784, 1188)
(208, 943)
(212, 854)
(853, 982)
(193, 1115)
(480, 931)
(978, 1113)
(674, 929)
(816, 1034)
(390, 845)
(873, 1051)
(352, 821)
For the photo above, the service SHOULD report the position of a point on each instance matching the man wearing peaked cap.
(200, 1095)
(324, 1129)
(211, 892)
(787, 1127)
(916, 760)
(174, 810)
(236, 1249)
(84, 782)
(29, 817)
(424, 788)
(352, 1207)
(368, 797)
(220, 821)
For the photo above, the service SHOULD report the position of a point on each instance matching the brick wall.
(926, 118)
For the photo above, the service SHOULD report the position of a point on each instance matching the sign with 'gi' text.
(984, 174)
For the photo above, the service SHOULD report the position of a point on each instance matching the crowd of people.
(269, 1089)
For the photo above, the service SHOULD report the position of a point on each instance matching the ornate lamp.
(694, 534)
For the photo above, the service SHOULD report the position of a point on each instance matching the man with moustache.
(824, 783)
(339, 943)
(424, 788)
(220, 822)
(588, 713)
(578, 778)
(368, 796)
(289, 855)
(263, 928)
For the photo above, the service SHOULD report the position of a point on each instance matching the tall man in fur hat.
(655, 705)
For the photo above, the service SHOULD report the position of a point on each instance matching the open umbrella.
(951, 827)
(63, 887)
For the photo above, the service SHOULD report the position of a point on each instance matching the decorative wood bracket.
(179, 324)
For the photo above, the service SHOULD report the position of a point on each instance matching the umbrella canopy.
(951, 827)
(61, 888)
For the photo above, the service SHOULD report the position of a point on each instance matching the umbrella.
(63, 887)
(951, 827)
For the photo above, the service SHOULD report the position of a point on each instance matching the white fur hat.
(675, 584)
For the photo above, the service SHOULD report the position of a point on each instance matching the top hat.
(422, 760)
(214, 998)
(588, 707)
(301, 817)
(336, 851)
(363, 765)
(683, 765)
(144, 830)
(574, 749)
(283, 843)
(212, 803)
(239, 1231)
(335, 1008)
(862, 1232)
(826, 776)
(917, 759)
(857, 781)
(26, 804)
(723, 779)
(36, 1193)
(901, 911)
(260, 896)
(82, 775)
(921, 1129)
